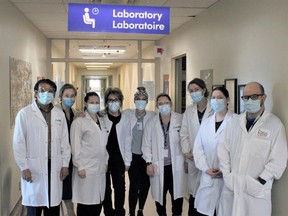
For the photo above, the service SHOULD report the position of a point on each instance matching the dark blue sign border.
(118, 18)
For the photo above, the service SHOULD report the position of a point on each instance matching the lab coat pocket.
(261, 147)
(33, 190)
(156, 168)
(206, 180)
(179, 163)
(254, 187)
(34, 165)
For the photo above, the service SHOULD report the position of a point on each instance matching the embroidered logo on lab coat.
(263, 133)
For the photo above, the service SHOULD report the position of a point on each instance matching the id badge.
(139, 126)
(165, 152)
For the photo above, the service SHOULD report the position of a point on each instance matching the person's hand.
(26, 175)
(150, 170)
(82, 173)
(214, 173)
(127, 168)
(64, 173)
(80, 114)
(189, 155)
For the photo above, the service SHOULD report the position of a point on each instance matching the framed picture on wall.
(240, 102)
(231, 86)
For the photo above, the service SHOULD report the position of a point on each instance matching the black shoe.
(140, 213)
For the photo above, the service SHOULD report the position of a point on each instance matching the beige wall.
(21, 40)
(247, 40)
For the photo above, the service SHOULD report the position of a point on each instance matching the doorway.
(180, 84)
(97, 84)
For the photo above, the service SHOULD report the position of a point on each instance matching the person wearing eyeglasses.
(252, 154)
(193, 116)
(119, 150)
(42, 151)
(207, 199)
(139, 180)
(164, 158)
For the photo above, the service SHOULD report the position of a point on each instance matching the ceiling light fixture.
(102, 49)
(97, 66)
(98, 63)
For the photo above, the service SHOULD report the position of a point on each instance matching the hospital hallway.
(161, 45)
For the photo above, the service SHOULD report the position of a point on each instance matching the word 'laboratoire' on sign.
(118, 18)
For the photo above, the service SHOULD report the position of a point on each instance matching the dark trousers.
(117, 172)
(67, 184)
(139, 183)
(192, 210)
(88, 210)
(168, 186)
(37, 210)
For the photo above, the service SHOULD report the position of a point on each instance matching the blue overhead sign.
(118, 18)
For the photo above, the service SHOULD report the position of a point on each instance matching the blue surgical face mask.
(140, 104)
(68, 102)
(164, 109)
(45, 98)
(252, 106)
(92, 109)
(196, 96)
(114, 106)
(218, 105)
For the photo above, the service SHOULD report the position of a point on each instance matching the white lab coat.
(30, 147)
(244, 156)
(124, 136)
(89, 153)
(189, 130)
(205, 156)
(152, 148)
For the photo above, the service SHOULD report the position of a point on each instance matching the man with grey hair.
(252, 153)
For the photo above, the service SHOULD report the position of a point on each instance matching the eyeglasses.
(163, 103)
(42, 90)
(253, 97)
(110, 100)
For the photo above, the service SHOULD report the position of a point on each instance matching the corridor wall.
(21, 40)
(247, 40)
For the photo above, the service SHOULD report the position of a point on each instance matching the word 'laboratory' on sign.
(137, 15)
(118, 18)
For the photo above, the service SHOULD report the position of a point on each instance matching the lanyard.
(165, 132)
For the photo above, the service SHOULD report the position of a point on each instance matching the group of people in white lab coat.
(232, 159)
(226, 162)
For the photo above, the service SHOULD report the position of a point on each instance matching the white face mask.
(92, 109)
(114, 106)
(252, 106)
(140, 104)
(196, 96)
(164, 109)
(45, 98)
(218, 105)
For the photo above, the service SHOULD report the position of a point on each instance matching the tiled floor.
(150, 209)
